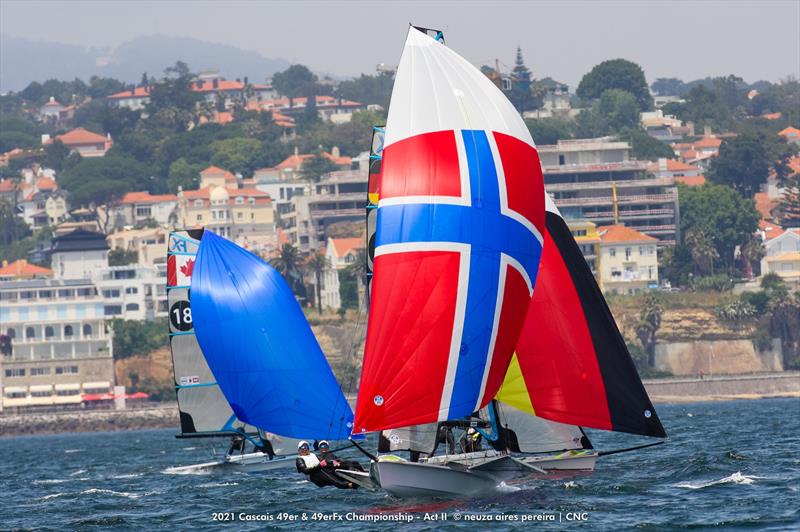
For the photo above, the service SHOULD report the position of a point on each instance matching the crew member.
(328, 459)
(321, 475)
(470, 442)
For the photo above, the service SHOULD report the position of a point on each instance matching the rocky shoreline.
(165, 415)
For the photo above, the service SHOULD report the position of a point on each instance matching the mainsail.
(576, 368)
(458, 241)
(202, 407)
(260, 346)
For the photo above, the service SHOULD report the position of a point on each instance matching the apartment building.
(597, 180)
(628, 260)
(56, 346)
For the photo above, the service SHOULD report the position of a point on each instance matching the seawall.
(721, 388)
(159, 417)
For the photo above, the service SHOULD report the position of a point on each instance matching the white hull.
(411, 479)
(568, 461)
(246, 463)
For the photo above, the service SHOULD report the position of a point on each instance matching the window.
(66, 370)
(68, 330)
(27, 294)
(66, 293)
(45, 293)
(87, 292)
(199, 217)
(239, 215)
(612, 252)
(239, 200)
(8, 296)
(111, 293)
(131, 290)
(251, 201)
(113, 310)
(48, 332)
(15, 395)
(12, 333)
(87, 329)
(132, 306)
(143, 212)
(628, 252)
(213, 215)
(41, 394)
(15, 372)
(198, 203)
(40, 371)
(65, 393)
(30, 333)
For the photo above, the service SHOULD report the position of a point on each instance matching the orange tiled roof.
(80, 136)
(46, 183)
(22, 269)
(707, 142)
(764, 204)
(146, 197)
(212, 170)
(205, 193)
(222, 85)
(691, 180)
(677, 166)
(620, 233)
(792, 132)
(8, 185)
(770, 229)
(138, 92)
(296, 161)
(345, 246)
(794, 164)
(772, 116)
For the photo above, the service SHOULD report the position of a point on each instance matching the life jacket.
(310, 460)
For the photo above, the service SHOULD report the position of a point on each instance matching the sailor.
(321, 475)
(265, 446)
(237, 444)
(330, 460)
(470, 442)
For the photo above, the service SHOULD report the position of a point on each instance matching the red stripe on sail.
(515, 298)
(405, 365)
(524, 181)
(556, 352)
(422, 165)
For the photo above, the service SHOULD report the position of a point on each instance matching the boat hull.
(568, 461)
(411, 479)
(246, 463)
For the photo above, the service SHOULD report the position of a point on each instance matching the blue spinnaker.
(260, 346)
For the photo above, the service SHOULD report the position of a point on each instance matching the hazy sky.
(684, 39)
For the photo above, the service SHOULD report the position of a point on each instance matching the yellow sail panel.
(513, 391)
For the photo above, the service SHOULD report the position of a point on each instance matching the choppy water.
(733, 465)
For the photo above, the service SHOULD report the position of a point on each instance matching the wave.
(571, 484)
(736, 478)
(129, 495)
(217, 484)
(51, 481)
(181, 470)
(130, 475)
(52, 496)
(78, 472)
(68, 451)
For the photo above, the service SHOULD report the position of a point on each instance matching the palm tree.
(648, 325)
(288, 264)
(752, 252)
(318, 263)
(703, 251)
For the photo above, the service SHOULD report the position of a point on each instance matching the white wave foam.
(736, 478)
(188, 448)
(217, 484)
(51, 496)
(126, 494)
(571, 484)
(182, 471)
(68, 451)
(51, 481)
(78, 472)
(505, 488)
(131, 475)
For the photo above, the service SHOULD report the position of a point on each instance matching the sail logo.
(179, 270)
(476, 197)
(188, 381)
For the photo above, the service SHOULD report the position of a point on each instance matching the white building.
(783, 256)
(341, 253)
(79, 254)
(134, 100)
(59, 346)
(628, 260)
(138, 207)
(149, 244)
(133, 292)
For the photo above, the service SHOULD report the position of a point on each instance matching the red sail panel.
(425, 165)
(574, 360)
(405, 383)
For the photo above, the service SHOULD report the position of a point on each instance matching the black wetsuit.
(329, 457)
(323, 476)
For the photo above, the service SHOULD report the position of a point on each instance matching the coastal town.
(683, 197)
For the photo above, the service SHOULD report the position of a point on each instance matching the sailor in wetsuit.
(320, 472)
(327, 457)
(470, 441)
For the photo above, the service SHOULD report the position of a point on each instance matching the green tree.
(648, 325)
(616, 74)
(12, 227)
(294, 81)
(743, 163)
(315, 167)
(56, 155)
(133, 337)
(122, 257)
(172, 100)
(704, 107)
(238, 154)
(521, 95)
(318, 263)
(368, 89)
(644, 147)
(619, 108)
(668, 87)
(725, 217)
(184, 175)
(289, 265)
(550, 130)
(702, 249)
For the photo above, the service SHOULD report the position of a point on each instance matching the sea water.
(727, 465)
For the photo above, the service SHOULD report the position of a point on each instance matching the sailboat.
(457, 246)
(420, 373)
(246, 362)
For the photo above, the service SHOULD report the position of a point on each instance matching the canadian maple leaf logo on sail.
(188, 268)
(180, 269)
